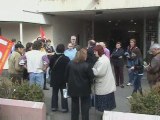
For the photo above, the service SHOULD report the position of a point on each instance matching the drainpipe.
(144, 37)
(93, 29)
(21, 32)
(159, 25)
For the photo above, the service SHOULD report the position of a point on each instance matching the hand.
(146, 66)
(120, 57)
(132, 68)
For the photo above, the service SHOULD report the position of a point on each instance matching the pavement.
(120, 95)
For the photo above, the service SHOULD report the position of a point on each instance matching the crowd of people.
(85, 72)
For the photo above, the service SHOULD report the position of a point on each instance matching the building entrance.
(122, 31)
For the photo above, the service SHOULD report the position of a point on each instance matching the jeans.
(54, 102)
(130, 63)
(137, 83)
(36, 78)
(85, 104)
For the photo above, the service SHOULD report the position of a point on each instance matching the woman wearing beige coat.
(104, 86)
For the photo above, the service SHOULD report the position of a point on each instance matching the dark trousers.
(137, 83)
(85, 104)
(54, 102)
(44, 86)
(119, 74)
(16, 78)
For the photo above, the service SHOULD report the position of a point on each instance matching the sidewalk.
(121, 101)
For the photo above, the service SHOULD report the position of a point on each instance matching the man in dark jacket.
(91, 58)
(118, 62)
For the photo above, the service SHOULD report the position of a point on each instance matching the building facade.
(102, 20)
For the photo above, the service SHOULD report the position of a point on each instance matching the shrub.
(149, 103)
(20, 92)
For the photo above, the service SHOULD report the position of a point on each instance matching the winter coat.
(153, 72)
(104, 79)
(117, 57)
(79, 77)
(57, 70)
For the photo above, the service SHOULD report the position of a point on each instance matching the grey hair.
(155, 45)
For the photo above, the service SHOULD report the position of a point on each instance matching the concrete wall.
(79, 5)
(64, 27)
(59, 31)
(10, 30)
(25, 12)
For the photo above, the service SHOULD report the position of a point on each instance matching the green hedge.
(20, 92)
(149, 103)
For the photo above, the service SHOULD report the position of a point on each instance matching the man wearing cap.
(15, 70)
(153, 68)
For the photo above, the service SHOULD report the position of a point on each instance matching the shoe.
(64, 110)
(129, 97)
(122, 86)
(129, 84)
(54, 109)
(45, 88)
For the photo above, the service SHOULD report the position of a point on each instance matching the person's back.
(34, 61)
(79, 79)
(91, 58)
(58, 69)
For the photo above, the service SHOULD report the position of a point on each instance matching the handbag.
(65, 92)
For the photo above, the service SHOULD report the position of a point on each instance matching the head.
(118, 45)
(48, 42)
(70, 46)
(132, 42)
(155, 48)
(19, 42)
(60, 48)
(81, 55)
(73, 39)
(98, 51)
(13, 40)
(91, 43)
(37, 45)
(19, 48)
(29, 46)
(102, 44)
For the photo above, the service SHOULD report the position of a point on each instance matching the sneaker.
(122, 86)
(129, 97)
(129, 84)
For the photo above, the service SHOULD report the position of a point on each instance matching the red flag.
(43, 35)
(5, 49)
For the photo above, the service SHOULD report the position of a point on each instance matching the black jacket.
(117, 57)
(79, 77)
(91, 58)
(138, 65)
(58, 71)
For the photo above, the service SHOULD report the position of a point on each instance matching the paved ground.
(121, 101)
